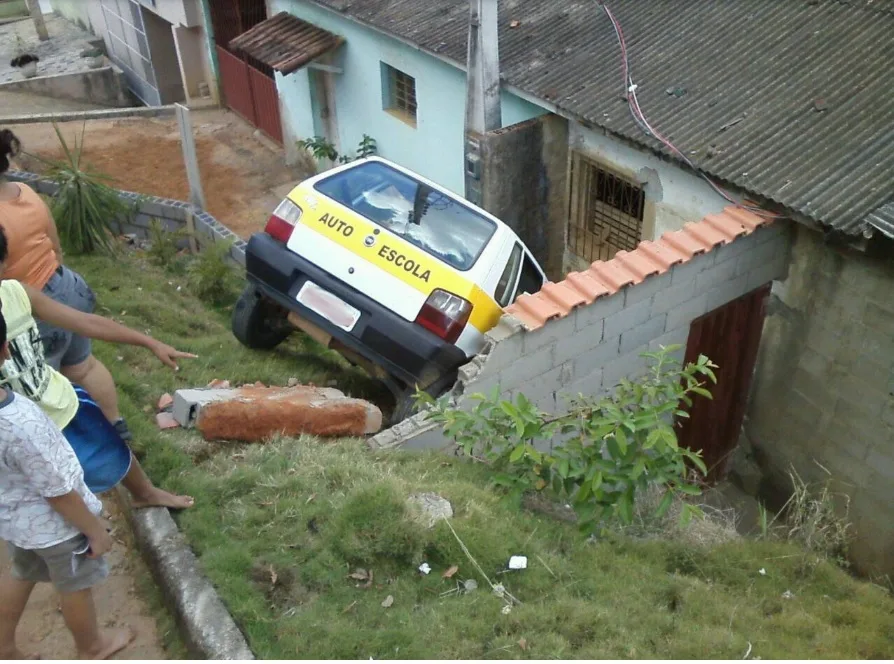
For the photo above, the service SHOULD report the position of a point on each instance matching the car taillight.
(282, 221)
(445, 314)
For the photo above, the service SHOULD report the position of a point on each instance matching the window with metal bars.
(605, 211)
(399, 93)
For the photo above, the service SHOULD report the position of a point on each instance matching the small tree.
(613, 447)
(84, 206)
(324, 150)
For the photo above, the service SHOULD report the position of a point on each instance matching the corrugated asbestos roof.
(285, 42)
(790, 100)
(883, 219)
(602, 278)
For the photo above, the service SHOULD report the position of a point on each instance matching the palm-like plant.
(84, 206)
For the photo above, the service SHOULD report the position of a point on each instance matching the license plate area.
(332, 308)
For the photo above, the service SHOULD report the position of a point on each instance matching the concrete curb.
(205, 624)
(100, 114)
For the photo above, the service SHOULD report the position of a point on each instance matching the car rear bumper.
(405, 350)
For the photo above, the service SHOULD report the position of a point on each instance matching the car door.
(522, 274)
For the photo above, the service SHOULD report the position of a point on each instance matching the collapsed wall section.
(585, 333)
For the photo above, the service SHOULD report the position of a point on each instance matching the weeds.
(812, 520)
(211, 277)
(163, 243)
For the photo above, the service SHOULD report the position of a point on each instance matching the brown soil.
(243, 179)
(117, 604)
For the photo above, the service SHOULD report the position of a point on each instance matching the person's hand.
(168, 354)
(100, 542)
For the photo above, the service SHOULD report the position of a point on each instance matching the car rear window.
(440, 225)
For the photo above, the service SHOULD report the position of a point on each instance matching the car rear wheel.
(258, 323)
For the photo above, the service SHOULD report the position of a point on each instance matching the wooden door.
(730, 337)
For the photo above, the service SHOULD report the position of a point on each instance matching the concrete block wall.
(591, 348)
(172, 214)
(823, 397)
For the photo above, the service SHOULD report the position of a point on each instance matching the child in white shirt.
(50, 522)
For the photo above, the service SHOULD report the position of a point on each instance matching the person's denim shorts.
(63, 348)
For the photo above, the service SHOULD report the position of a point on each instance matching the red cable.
(641, 121)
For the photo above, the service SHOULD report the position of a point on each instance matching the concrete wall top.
(603, 278)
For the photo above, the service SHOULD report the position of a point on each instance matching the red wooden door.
(729, 337)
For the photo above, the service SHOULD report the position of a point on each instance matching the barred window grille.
(401, 93)
(606, 211)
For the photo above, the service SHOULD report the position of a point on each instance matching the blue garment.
(104, 456)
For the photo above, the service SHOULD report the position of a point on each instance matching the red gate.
(250, 93)
(236, 86)
(729, 337)
(266, 104)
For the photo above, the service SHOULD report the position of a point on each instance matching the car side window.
(506, 285)
(531, 280)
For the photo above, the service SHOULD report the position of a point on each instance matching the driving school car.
(400, 276)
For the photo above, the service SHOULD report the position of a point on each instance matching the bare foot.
(110, 642)
(160, 498)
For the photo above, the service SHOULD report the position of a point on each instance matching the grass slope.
(279, 527)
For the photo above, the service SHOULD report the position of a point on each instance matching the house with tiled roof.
(657, 189)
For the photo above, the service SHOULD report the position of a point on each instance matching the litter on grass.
(425, 568)
(518, 562)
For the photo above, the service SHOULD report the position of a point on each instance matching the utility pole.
(483, 89)
(37, 17)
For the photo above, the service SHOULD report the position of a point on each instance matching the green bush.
(615, 447)
(163, 244)
(84, 207)
(212, 278)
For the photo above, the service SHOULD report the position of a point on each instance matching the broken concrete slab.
(253, 413)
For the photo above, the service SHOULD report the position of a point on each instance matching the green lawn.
(279, 527)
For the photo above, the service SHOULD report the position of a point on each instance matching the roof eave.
(552, 107)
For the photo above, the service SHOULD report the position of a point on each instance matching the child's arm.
(97, 327)
(46, 459)
(72, 508)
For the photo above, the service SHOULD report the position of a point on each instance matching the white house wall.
(677, 196)
(434, 147)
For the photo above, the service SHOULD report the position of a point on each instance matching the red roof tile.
(285, 42)
(557, 300)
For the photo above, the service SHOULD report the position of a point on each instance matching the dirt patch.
(117, 604)
(243, 179)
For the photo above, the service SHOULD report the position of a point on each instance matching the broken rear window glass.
(439, 224)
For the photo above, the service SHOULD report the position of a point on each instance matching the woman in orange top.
(35, 259)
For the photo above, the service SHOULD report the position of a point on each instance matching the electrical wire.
(640, 120)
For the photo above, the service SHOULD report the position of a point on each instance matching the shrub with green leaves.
(211, 277)
(613, 447)
(163, 243)
(84, 207)
(324, 150)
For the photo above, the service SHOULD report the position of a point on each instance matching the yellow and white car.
(397, 274)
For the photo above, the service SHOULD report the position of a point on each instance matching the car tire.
(406, 406)
(254, 323)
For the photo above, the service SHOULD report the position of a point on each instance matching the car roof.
(502, 227)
